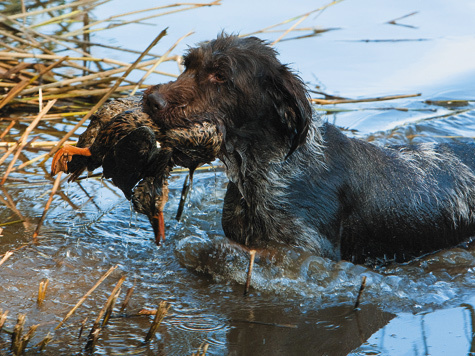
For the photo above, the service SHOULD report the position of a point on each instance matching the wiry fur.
(299, 181)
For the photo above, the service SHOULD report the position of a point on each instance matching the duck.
(138, 155)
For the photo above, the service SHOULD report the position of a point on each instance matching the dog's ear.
(293, 107)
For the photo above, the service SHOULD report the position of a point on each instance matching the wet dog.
(296, 180)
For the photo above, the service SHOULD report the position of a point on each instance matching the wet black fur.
(299, 181)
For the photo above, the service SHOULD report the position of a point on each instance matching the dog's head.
(240, 85)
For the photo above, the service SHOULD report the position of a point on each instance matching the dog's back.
(391, 203)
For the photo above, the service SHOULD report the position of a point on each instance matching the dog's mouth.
(194, 136)
(198, 144)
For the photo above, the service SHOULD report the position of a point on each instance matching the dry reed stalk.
(83, 299)
(160, 60)
(42, 291)
(290, 29)
(109, 306)
(350, 101)
(105, 311)
(83, 325)
(291, 19)
(9, 55)
(127, 297)
(22, 142)
(5, 132)
(17, 332)
(56, 19)
(49, 117)
(204, 346)
(3, 318)
(123, 23)
(48, 203)
(48, 9)
(14, 92)
(92, 339)
(43, 343)
(106, 96)
(43, 144)
(147, 312)
(6, 256)
(252, 254)
(360, 292)
(26, 338)
(91, 79)
(162, 310)
(9, 151)
(31, 161)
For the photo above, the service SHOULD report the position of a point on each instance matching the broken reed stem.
(16, 335)
(24, 83)
(204, 346)
(7, 130)
(108, 94)
(9, 152)
(291, 19)
(26, 339)
(6, 257)
(83, 325)
(43, 343)
(43, 144)
(162, 310)
(49, 9)
(23, 140)
(127, 297)
(350, 101)
(83, 299)
(42, 291)
(106, 311)
(290, 29)
(360, 292)
(3, 318)
(109, 306)
(249, 271)
(48, 203)
(13, 92)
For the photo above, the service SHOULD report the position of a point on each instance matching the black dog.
(299, 181)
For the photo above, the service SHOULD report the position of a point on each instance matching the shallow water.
(299, 303)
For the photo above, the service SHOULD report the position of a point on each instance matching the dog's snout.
(156, 101)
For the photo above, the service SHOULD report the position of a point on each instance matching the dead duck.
(138, 155)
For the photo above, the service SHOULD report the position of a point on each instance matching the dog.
(295, 179)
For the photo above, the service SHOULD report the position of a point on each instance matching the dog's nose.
(156, 101)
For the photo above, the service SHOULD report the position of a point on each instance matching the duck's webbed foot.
(64, 155)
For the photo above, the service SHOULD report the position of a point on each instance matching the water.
(299, 303)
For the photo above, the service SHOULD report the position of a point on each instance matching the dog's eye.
(217, 78)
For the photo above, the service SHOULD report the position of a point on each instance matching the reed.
(105, 312)
(83, 299)
(42, 291)
(161, 311)
(43, 343)
(6, 256)
(3, 318)
(360, 292)
(17, 334)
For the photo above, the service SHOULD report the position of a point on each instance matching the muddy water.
(299, 304)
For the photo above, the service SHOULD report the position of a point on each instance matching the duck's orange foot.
(64, 155)
(158, 225)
